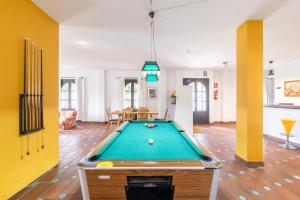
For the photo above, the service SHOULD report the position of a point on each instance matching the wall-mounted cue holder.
(31, 100)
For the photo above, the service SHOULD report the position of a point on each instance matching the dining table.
(120, 113)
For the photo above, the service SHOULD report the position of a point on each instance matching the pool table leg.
(83, 184)
(214, 185)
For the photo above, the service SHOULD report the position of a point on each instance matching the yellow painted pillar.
(249, 127)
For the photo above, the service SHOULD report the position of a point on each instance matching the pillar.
(249, 127)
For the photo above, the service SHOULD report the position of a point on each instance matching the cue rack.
(31, 100)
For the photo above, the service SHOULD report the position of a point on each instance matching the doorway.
(200, 99)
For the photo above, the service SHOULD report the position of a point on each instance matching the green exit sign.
(205, 73)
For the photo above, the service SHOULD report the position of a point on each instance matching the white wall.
(180, 74)
(218, 103)
(183, 105)
(229, 96)
(94, 92)
(286, 72)
(171, 86)
(223, 109)
(102, 89)
(272, 116)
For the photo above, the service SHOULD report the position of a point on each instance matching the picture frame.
(292, 88)
(152, 93)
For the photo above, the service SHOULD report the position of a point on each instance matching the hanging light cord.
(181, 5)
(153, 38)
(153, 47)
(152, 14)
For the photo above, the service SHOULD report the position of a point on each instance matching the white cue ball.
(151, 141)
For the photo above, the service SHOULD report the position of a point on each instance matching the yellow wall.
(19, 19)
(249, 136)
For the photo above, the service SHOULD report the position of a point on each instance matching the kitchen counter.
(282, 106)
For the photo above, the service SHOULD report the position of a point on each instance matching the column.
(249, 128)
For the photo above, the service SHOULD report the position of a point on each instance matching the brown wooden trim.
(248, 164)
(280, 140)
(195, 184)
(93, 122)
(157, 163)
(223, 122)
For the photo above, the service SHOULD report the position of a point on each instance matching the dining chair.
(165, 116)
(110, 119)
(127, 114)
(144, 114)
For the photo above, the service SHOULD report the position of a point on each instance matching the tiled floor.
(62, 182)
(278, 180)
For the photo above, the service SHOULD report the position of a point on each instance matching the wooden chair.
(143, 116)
(165, 116)
(127, 114)
(110, 119)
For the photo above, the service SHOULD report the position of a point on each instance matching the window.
(131, 98)
(199, 96)
(270, 90)
(67, 95)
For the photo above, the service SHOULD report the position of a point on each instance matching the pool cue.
(32, 87)
(35, 88)
(37, 96)
(42, 98)
(28, 121)
(29, 87)
(38, 89)
(24, 102)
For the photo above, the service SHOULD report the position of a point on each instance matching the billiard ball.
(151, 125)
(150, 141)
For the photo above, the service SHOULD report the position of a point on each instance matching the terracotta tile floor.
(62, 182)
(279, 179)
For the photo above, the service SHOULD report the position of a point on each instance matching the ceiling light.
(271, 74)
(225, 63)
(151, 69)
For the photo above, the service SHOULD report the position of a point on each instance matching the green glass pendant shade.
(151, 71)
(151, 66)
(151, 78)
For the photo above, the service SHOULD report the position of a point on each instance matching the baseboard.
(31, 183)
(222, 122)
(280, 140)
(93, 122)
(247, 163)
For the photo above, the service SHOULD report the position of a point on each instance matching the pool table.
(125, 165)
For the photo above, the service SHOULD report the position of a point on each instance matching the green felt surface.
(132, 144)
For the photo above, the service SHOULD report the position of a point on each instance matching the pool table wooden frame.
(193, 179)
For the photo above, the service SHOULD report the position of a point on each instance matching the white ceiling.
(115, 34)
